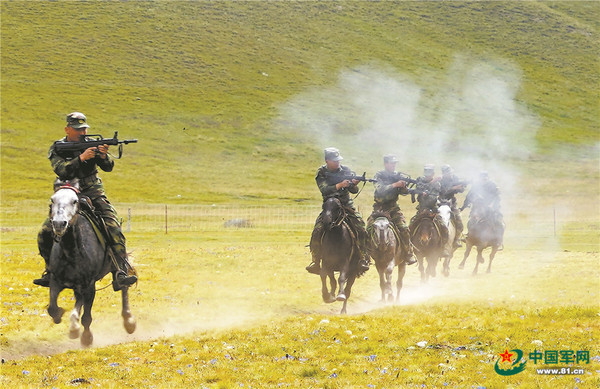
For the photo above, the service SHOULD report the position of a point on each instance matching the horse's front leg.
(74, 329)
(492, 255)
(467, 252)
(88, 301)
(422, 269)
(401, 272)
(479, 260)
(342, 280)
(128, 318)
(431, 265)
(325, 293)
(347, 291)
(54, 310)
(446, 266)
(388, 279)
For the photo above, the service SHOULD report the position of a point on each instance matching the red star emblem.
(506, 356)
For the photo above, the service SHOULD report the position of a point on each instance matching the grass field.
(232, 103)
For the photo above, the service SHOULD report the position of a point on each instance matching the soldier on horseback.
(388, 187)
(450, 186)
(485, 198)
(428, 189)
(84, 166)
(333, 181)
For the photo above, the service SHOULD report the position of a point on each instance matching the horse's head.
(445, 213)
(65, 206)
(333, 212)
(381, 231)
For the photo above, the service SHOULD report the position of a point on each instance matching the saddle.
(87, 209)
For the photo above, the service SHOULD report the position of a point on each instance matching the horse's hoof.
(74, 334)
(87, 338)
(341, 297)
(57, 315)
(130, 325)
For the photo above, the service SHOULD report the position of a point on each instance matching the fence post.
(128, 219)
(166, 224)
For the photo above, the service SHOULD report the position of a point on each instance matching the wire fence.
(522, 223)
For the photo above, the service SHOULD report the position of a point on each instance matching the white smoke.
(469, 117)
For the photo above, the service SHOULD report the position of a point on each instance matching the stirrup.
(410, 260)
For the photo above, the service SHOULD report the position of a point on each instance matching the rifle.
(399, 176)
(97, 140)
(362, 178)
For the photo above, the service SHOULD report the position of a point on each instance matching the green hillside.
(207, 87)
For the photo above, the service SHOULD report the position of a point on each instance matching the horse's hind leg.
(88, 300)
(128, 318)
(75, 328)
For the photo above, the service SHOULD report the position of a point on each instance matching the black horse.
(78, 259)
(384, 249)
(484, 231)
(339, 252)
(426, 238)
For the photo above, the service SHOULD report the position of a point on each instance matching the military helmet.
(446, 169)
(428, 170)
(390, 158)
(332, 154)
(77, 120)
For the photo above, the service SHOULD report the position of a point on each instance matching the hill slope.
(220, 93)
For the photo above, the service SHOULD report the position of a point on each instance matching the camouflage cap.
(446, 169)
(484, 174)
(332, 154)
(428, 169)
(390, 158)
(77, 120)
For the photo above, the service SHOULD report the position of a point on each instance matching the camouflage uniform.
(327, 181)
(386, 204)
(449, 184)
(67, 165)
(485, 198)
(428, 190)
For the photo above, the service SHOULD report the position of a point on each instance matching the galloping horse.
(78, 259)
(340, 253)
(427, 240)
(383, 247)
(446, 215)
(483, 232)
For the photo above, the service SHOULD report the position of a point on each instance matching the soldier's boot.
(315, 266)
(122, 277)
(315, 249)
(44, 280)
(363, 263)
(410, 259)
(45, 241)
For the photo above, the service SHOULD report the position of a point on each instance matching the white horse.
(446, 215)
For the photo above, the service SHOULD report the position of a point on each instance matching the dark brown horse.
(339, 252)
(383, 248)
(484, 231)
(426, 238)
(78, 259)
